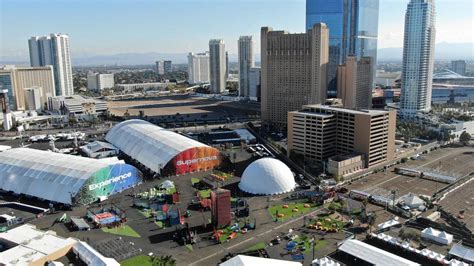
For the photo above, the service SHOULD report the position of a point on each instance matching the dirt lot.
(461, 199)
(190, 108)
(455, 162)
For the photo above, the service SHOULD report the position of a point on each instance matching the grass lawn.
(159, 224)
(288, 212)
(260, 245)
(145, 212)
(319, 244)
(141, 260)
(195, 180)
(205, 194)
(123, 231)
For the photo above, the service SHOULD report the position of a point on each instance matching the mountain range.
(444, 51)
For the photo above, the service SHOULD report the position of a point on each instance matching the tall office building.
(54, 50)
(418, 57)
(353, 26)
(5, 106)
(217, 65)
(198, 68)
(17, 79)
(255, 77)
(160, 67)
(319, 131)
(226, 66)
(354, 82)
(293, 71)
(98, 82)
(168, 66)
(459, 66)
(246, 62)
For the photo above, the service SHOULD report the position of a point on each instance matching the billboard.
(108, 181)
(195, 159)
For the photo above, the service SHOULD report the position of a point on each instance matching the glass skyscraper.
(353, 29)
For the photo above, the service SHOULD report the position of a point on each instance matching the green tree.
(163, 261)
(465, 138)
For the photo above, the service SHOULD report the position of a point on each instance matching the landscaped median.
(285, 211)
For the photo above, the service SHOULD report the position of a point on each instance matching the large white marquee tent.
(267, 176)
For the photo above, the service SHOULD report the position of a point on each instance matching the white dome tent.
(267, 176)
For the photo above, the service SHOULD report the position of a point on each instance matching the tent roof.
(372, 254)
(149, 144)
(98, 145)
(462, 252)
(47, 175)
(267, 176)
(242, 260)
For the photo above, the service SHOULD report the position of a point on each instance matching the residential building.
(4, 105)
(459, 66)
(217, 65)
(255, 75)
(226, 66)
(160, 67)
(54, 50)
(246, 62)
(167, 66)
(293, 71)
(319, 132)
(354, 82)
(99, 82)
(76, 105)
(17, 79)
(353, 27)
(418, 58)
(198, 68)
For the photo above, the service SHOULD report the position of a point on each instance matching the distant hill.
(444, 51)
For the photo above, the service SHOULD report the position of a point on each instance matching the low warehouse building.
(63, 178)
(161, 150)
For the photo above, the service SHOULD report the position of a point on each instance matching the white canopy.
(267, 176)
(372, 254)
(151, 145)
(91, 256)
(411, 201)
(242, 260)
(437, 236)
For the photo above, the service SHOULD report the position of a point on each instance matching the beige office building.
(354, 82)
(319, 132)
(293, 71)
(17, 79)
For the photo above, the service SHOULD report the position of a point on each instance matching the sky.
(102, 27)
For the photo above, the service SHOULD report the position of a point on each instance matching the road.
(269, 232)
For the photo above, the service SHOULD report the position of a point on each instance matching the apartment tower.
(217, 65)
(54, 50)
(418, 58)
(246, 62)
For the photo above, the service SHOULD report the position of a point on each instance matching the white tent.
(267, 176)
(242, 260)
(411, 201)
(326, 261)
(388, 224)
(440, 237)
(372, 254)
(91, 256)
